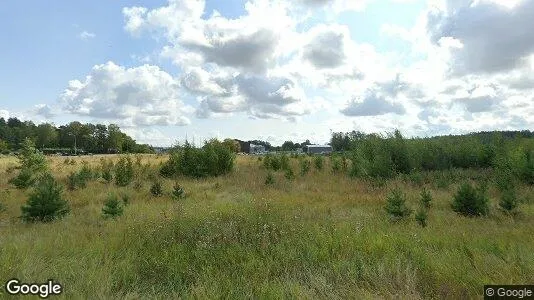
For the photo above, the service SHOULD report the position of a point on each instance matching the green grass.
(318, 236)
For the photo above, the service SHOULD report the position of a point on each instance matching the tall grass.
(316, 236)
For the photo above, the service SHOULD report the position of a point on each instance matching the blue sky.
(269, 69)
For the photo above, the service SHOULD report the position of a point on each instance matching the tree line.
(92, 138)
(384, 156)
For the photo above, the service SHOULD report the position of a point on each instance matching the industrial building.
(318, 149)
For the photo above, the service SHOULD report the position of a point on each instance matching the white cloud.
(143, 95)
(4, 114)
(85, 35)
(338, 5)
(494, 37)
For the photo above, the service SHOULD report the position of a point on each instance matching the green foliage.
(396, 205)
(156, 189)
(112, 207)
(125, 199)
(471, 201)
(318, 161)
(124, 172)
(4, 147)
(509, 201)
(269, 180)
(46, 202)
(289, 174)
(106, 168)
(33, 166)
(426, 198)
(178, 192)
(2, 203)
(305, 166)
(421, 216)
(276, 162)
(336, 164)
(78, 180)
(213, 159)
(24, 179)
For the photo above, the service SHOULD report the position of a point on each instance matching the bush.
(46, 202)
(74, 182)
(79, 179)
(471, 201)
(509, 201)
(24, 179)
(178, 192)
(213, 159)
(276, 162)
(156, 189)
(396, 205)
(289, 174)
(106, 168)
(124, 172)
(336, 165)
(426, 198)
(269, 180)
(2, 204)
(33, 166)
(305, 165)
(319, 162)
(421, 216)
(112, 207)
(125, 199)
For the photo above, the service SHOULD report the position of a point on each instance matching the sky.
(269, 69)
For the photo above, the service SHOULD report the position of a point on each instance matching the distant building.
(256, 149)
(318, 149)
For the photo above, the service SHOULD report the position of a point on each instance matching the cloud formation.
(143, 95)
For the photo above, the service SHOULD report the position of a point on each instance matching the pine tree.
(112, 207)
(396, 205)
(45, 203)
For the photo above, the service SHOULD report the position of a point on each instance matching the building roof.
(319, 146)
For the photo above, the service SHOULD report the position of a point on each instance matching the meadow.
(320, 235)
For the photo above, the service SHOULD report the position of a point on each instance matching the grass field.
(318, 236)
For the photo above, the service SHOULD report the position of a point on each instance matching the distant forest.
(91, 138)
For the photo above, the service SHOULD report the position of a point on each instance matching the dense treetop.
(93, 138)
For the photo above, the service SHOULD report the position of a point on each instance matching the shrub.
(106, 168)
(177, 192)
(74, 182)
(336, 165)
(269, 180)
(85, 172)
(156, 189)
(33, 166)
(276, 162)
(213, 159)
(79, 179)
(289, 174)
(396, 205)
(2, 204)
(305, 165)
(471, 201)
(421, 216)
(46, 202)
(125, 199)
(138, 185)
(319, 162)
(426, 198)
(24, 179)
(112, 207)
(508, 201)
(124, 172)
